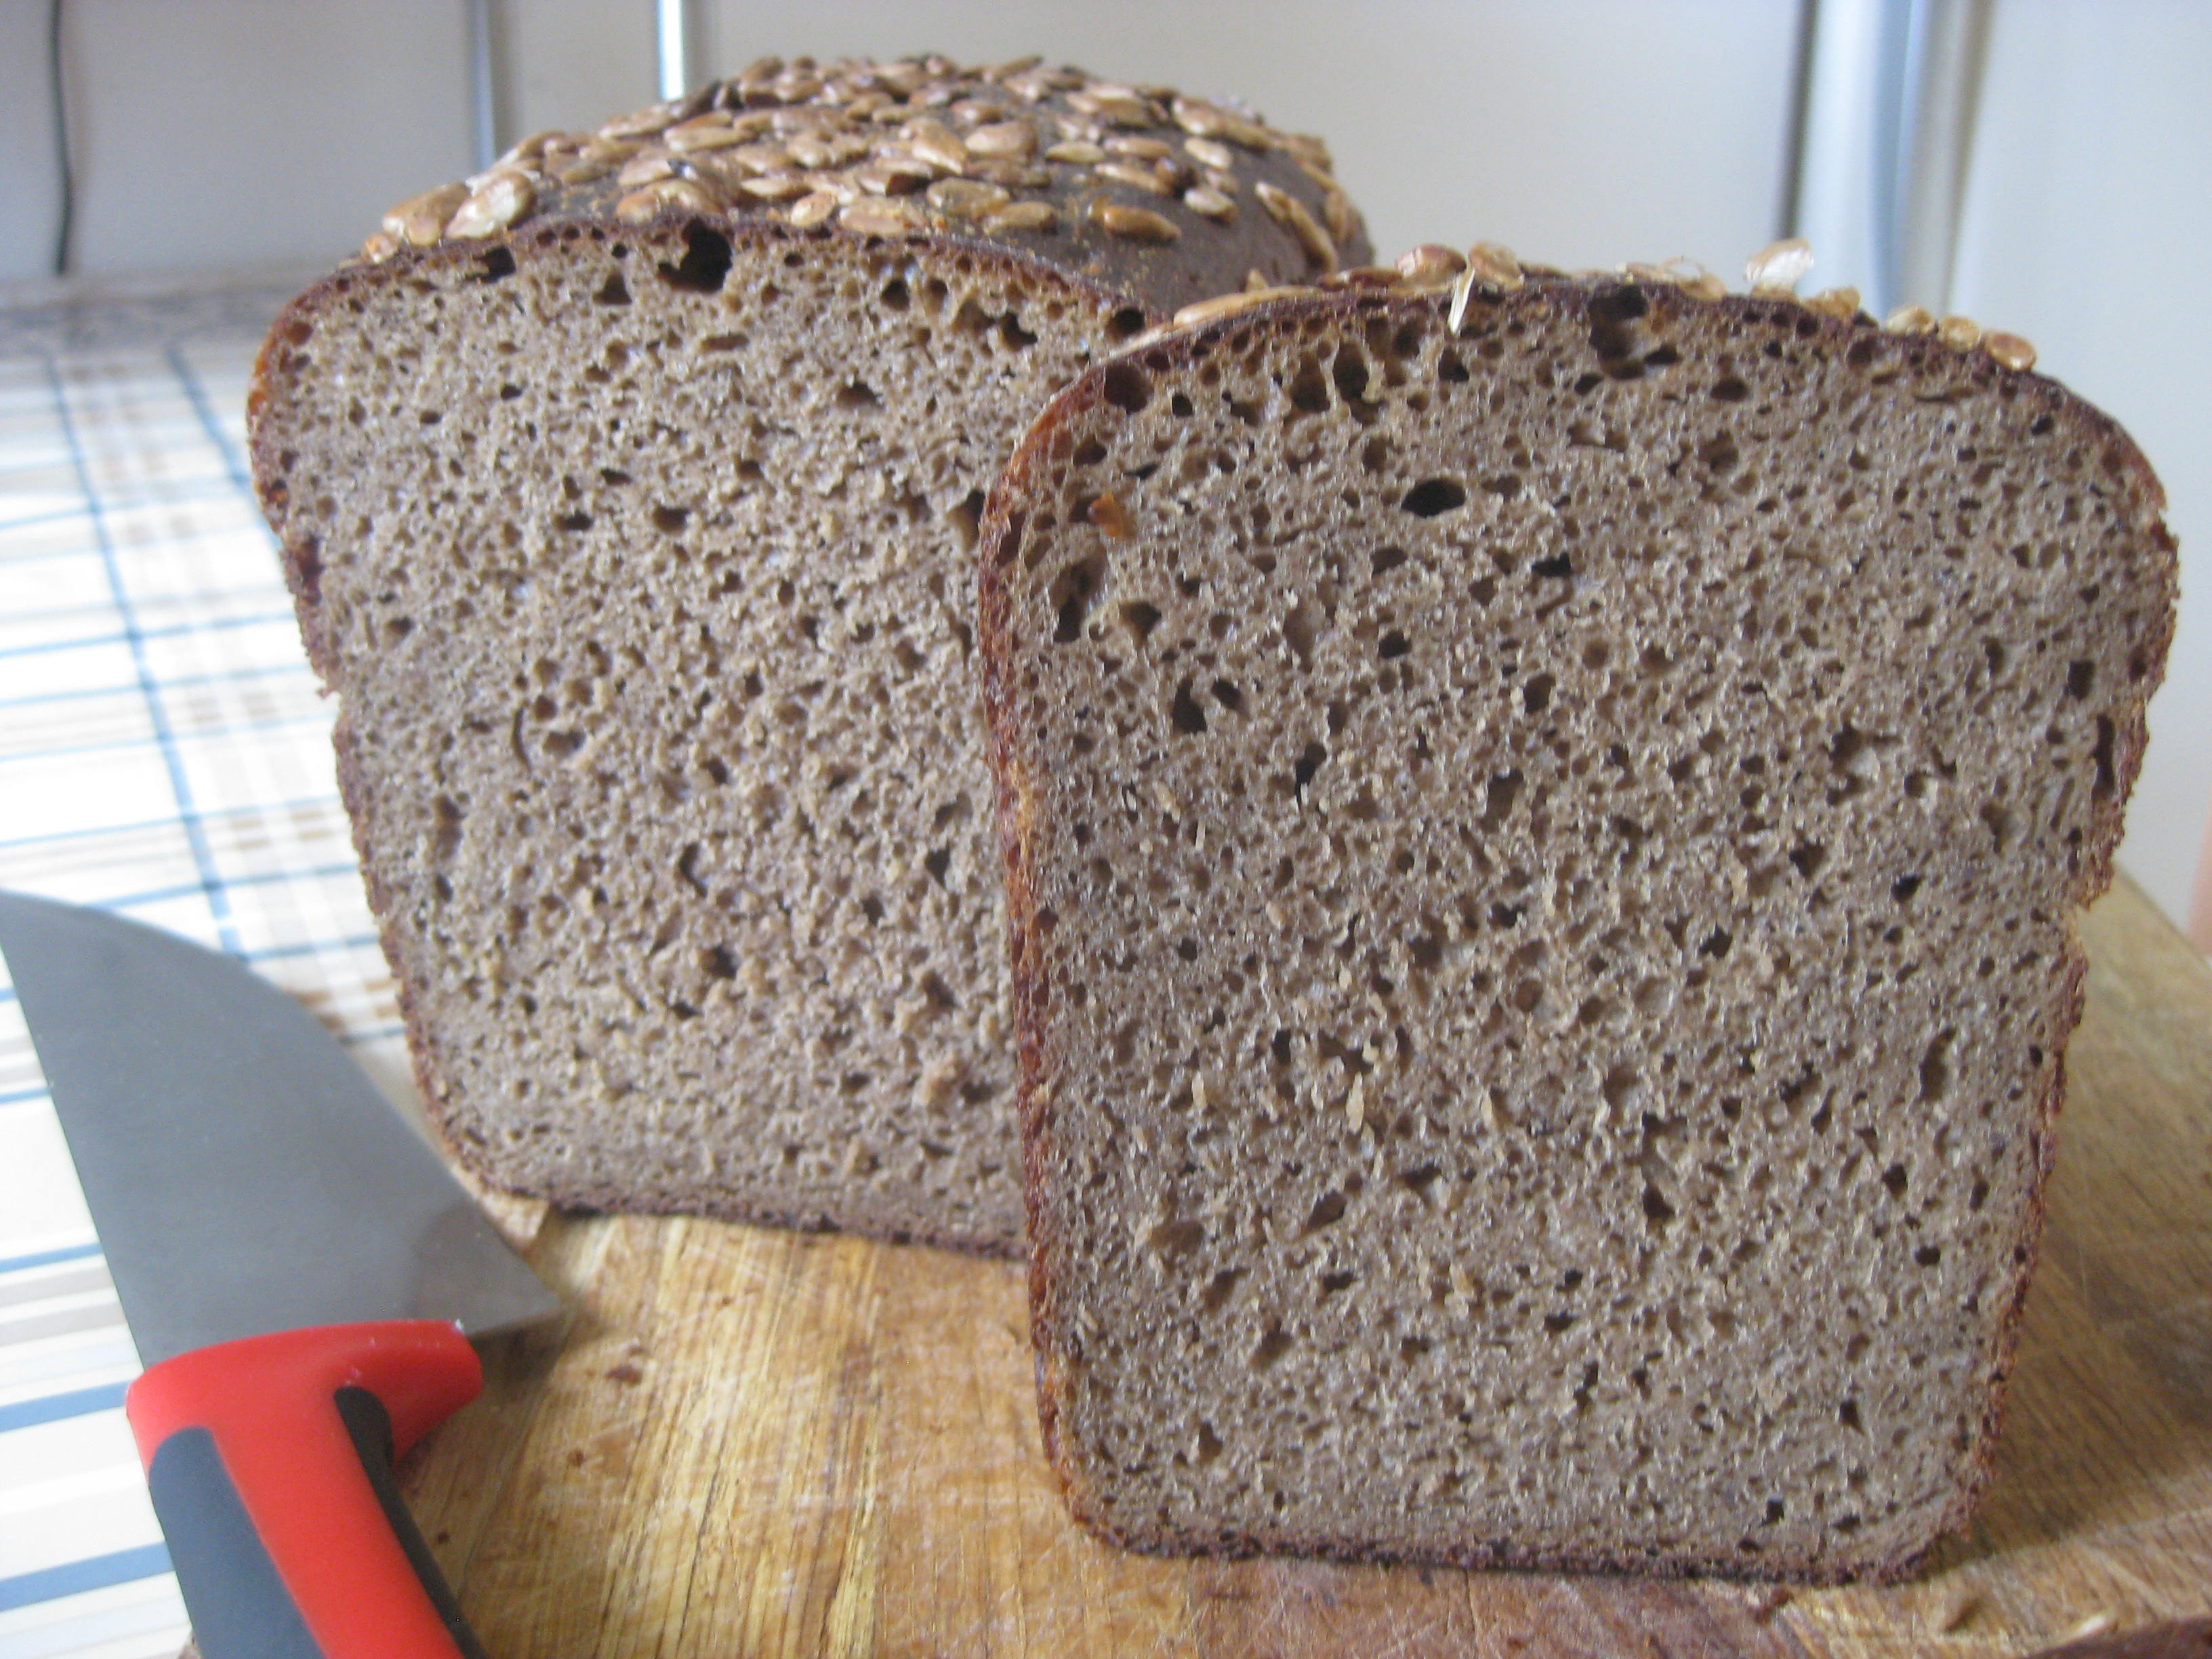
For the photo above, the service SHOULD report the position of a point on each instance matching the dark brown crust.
(1015, 763)
(1224, 255)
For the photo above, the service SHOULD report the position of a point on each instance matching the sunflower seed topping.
(1136, 177)
(2009, 350)
(1296, 217)
(1841, 303)
(1017, 139)
(1210, 152)
(1138, 224)
(1909, 320)
(1777, 268)
(1963, 332)
(811, 210)
(1430, 265)
(501, 200)
(419, 220)
(964, 198)
(1204, 198)
(1077, 153)
(1023, 216)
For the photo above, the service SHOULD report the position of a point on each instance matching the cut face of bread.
(636, 533)
(1543, 865)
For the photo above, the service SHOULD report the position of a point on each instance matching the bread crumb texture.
(629, 494)
(1544, 824)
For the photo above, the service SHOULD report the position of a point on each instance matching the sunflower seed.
(758, 158)
(1294, 216)
(964, 198)
(1255, 281)
(1430, 265)
(883, 178)
(879, 218)
(530, 149)
(1136, 177)
(1494, 268)
(811, 210)
(1016, 139)
(1138, 224)
(504, 199)
(1337, 214)
(644, 124)
(1076, 153)
(1204, 198)
(1228, 305)
(1143, 150)
(662, 194)
(2009, 350)
(1462, 291)
(1303, 148)
(1023, 215)
(646, 167)
(419, 220)
(1004, 72)
(1118, 107)
(777, 186)
(1204, 120)
(937, 144)
(1963, 332)
(1210, 152)
(1777, 268)
(703, 132)
(1841, 303)
(1909, 320)
(381, 246)
(582, 173)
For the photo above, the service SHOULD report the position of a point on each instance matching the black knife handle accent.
(271, 1459)
(238, 1604)
(370, 1426)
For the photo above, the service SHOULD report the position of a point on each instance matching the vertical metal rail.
(673, 41)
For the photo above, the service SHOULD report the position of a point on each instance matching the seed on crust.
(1204, 198)
(656, 197)
(879, 218)
(812, 209)
(1337, 214)
(1210, 152)
(1430, 265)
(1494, 268)
(379, 247)
(777, 186)
(1255, 280)
(582, 173)
(758, 158)
(1228, 305)
(1296, 217)
(703, 132)
(2009, 350)
(1017, 139)
(1777, 268)
(503, 199)
(1119, 107)
(1203, 120)
(1138, 224)
(1305, 149)
(1076, 152)
(419, 220)
(643, 123)
(1135, 176)
(964, 198)
(936, 144)
(1963, 332)
(1142, 150)
(893, 176)
(1841, 303)
(1910, 319)
(1023, 216)
(646, 167)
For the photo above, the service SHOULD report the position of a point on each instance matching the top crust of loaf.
(1134, 191)
(1626, 324)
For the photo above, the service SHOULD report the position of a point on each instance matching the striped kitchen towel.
(164, 752)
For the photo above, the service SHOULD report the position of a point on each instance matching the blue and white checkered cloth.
(165, 752)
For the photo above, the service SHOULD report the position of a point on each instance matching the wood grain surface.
(745, 1443)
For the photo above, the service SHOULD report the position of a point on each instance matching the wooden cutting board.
(745, 1443)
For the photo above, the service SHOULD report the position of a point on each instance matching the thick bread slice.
(1543, 865)
(630, 499)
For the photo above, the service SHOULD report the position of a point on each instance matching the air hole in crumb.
(1140, 619)
(1394, 645)
(1657, 1211)
(1274, 1343)
(1896, 1179)
(1299, 631)
(2107, 785)
(1717, 943)
(1935, 1068)
(1219, 1289)
(1928, 1254)
(1309, 389)
(1386, 559)
(858, 394)
(1126, 386)
(718, 963)
(2080, 677)
(1730, 389)
(613, 292)
(705, 263)
(1071, 595)
(671, 519)
(1847, 1415)
(1229, 696)
(1808, 856)
(1184, 714)
(938, 861)
(1309, 762)
(1328, 1209)
(1559, 566)
(1536, 696)
(1498, 798)
(1125, 324)
(1434, 496)
(1902, 889)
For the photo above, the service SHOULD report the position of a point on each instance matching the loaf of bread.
(1544, 821)
(629, 492)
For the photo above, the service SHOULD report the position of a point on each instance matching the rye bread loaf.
(1543, 858)
(629, 494)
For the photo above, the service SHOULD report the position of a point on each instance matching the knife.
(300, 1272)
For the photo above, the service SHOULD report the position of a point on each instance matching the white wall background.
(217, 135)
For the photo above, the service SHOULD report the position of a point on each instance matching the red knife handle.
(270, 1461)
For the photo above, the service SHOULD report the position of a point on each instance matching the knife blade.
(300, 1272)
